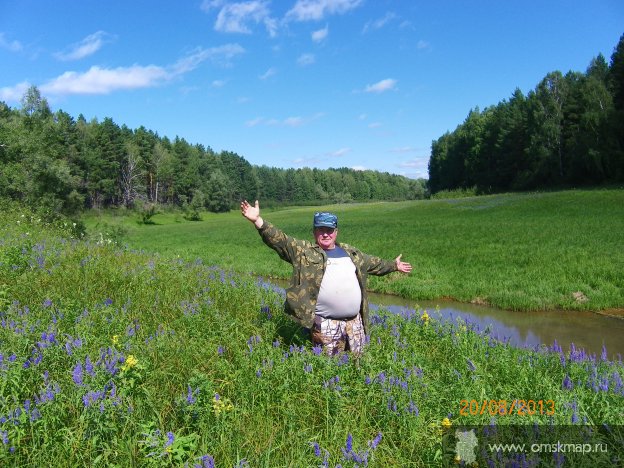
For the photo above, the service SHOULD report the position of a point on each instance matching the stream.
(585, 330)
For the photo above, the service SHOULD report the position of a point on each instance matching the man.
(328, 288)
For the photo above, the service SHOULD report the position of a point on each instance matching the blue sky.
(292, 83)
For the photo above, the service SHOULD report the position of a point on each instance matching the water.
(586, 330)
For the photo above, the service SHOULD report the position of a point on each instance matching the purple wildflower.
(170, 439)
(317, 350)
(47, 303)
(190, 395)
(77, 374)
(317, 449)
(206, 462)
(567, 383)
(89, 367)
(307, 368)
(375, 442)
(220, 350)
(349, 444)
(471, 365)
(108, 301)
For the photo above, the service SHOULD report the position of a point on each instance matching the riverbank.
(522, 252)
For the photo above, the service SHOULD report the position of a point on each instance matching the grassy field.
(537, 251)
(114, 357)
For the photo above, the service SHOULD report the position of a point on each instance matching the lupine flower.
(206, 462)
(425, 318)
(77, 374)
(307, 368)
(190, 396)
(220, 350)
(567, 383)
(89, 367)
(471, 365)
(317, 350)
(375, 442)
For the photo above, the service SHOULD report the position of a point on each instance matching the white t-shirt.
(340, 295)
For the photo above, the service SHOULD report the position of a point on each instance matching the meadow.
(527, 251)
(116, 356)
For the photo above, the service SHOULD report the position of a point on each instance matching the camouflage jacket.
(308, 261)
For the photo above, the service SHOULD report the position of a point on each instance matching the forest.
(567, 132)
(64, 165)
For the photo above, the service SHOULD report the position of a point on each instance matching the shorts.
(339, 335)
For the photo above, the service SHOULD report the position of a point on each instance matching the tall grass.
(114, 357)
(538, 251)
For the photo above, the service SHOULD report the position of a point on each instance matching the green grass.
(113, 357)
(514, 251)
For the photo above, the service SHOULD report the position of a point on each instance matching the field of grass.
(536, 251)
(114, 357)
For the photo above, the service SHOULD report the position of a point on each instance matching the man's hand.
(403, 267)
(252, 213)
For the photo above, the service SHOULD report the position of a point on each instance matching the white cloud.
(404, 149)
(422, 45)
(88, 46)
(419, 167)
(104, 81)
(359, 168)
(314, 10)
(11, 46)
(296, 121)
(268, 74)
(218, 83)
(305, 59)
(14, 93)
(339, 153)
(380, 23)
(220, 55)
(98, 80)
(237, 17)
(321, 34)
(381, 86)
(374, 125)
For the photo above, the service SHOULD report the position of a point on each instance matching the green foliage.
(64, 165)
(566, 132)
(111, 357)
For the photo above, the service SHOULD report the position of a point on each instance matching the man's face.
(325, 237)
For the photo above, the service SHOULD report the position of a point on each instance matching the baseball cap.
(324, 219)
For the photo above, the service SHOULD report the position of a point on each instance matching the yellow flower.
(131, 361)
(425, 317)
(221, 405)
(446, 423)
(115, 339)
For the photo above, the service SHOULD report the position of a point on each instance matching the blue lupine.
(375, 442)
(190, 396)
(77, 374)
(206, 462)
(567, 383)
(170, 439)
(89, 367)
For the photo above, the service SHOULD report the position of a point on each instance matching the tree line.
(65, 165)
(568, 131)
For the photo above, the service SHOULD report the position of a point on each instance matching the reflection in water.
(585, 330)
